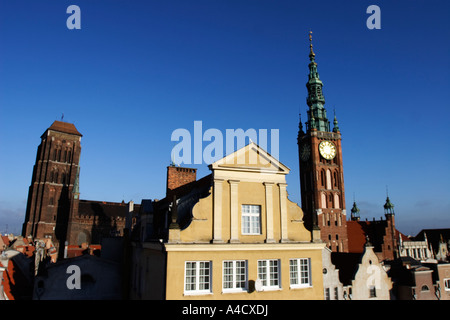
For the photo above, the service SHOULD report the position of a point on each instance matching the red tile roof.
(356, 236)
(375, 230)
(64, 127)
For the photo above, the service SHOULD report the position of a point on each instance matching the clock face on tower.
(305, 152)
(327, 149)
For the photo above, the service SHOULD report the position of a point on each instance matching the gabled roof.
(64, 127)
(251, 158)
(347, 263)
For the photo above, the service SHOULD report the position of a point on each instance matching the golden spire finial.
(311, 54)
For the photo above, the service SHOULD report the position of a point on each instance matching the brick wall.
(178, 176)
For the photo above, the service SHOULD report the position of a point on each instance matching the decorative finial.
(335, 122)
(311, 53)
(300, 125)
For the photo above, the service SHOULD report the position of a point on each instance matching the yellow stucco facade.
(246, 239)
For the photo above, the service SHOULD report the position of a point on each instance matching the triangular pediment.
(251, 158)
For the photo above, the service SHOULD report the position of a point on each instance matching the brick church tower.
(51, 193)
(321, 168)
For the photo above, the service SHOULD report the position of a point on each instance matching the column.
(283, 212)
(217, 228)
(269, 212)
(234, 211)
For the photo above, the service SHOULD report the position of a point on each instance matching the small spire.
(388, 206)
(312, 55)
(335, 123)
(300, 125)
(355, 211)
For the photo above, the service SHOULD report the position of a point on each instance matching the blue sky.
(138, 70)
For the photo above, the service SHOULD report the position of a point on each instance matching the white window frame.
(197, 277)
(267, 277)
(234, 276)
(250, 219)
(447, 284)
(300, 273)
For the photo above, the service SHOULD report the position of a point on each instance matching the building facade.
(241, 239)
(363, 276)
(333, 288)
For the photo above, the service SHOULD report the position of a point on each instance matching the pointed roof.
(64, 127)
(317, 115)
(251, 158)
(388, 206)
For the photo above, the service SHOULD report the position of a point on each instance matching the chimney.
(178, 176)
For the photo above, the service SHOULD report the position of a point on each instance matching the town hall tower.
(321, 167)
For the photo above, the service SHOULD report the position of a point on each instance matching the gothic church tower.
(51, 193)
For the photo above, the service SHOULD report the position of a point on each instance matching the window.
(197, 277)
(425, 288)
(447, 284)
(251, 219)
(336, 293)
(299, 273)
(327, 294)
(269, 273)
(234, 276)
(372, 292)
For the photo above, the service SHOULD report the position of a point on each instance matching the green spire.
(354, 212)
(335, 123)
(315, 100)
(388, 207)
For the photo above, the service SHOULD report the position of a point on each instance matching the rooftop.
(64, 127)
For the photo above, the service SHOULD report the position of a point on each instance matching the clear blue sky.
(138, 70)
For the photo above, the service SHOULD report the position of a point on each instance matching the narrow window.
(447, 284)
(372, 292)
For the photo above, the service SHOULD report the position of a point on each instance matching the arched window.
(336, 200)
(328, 179)
(425, 288)
(335, 179)
(323, 200)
